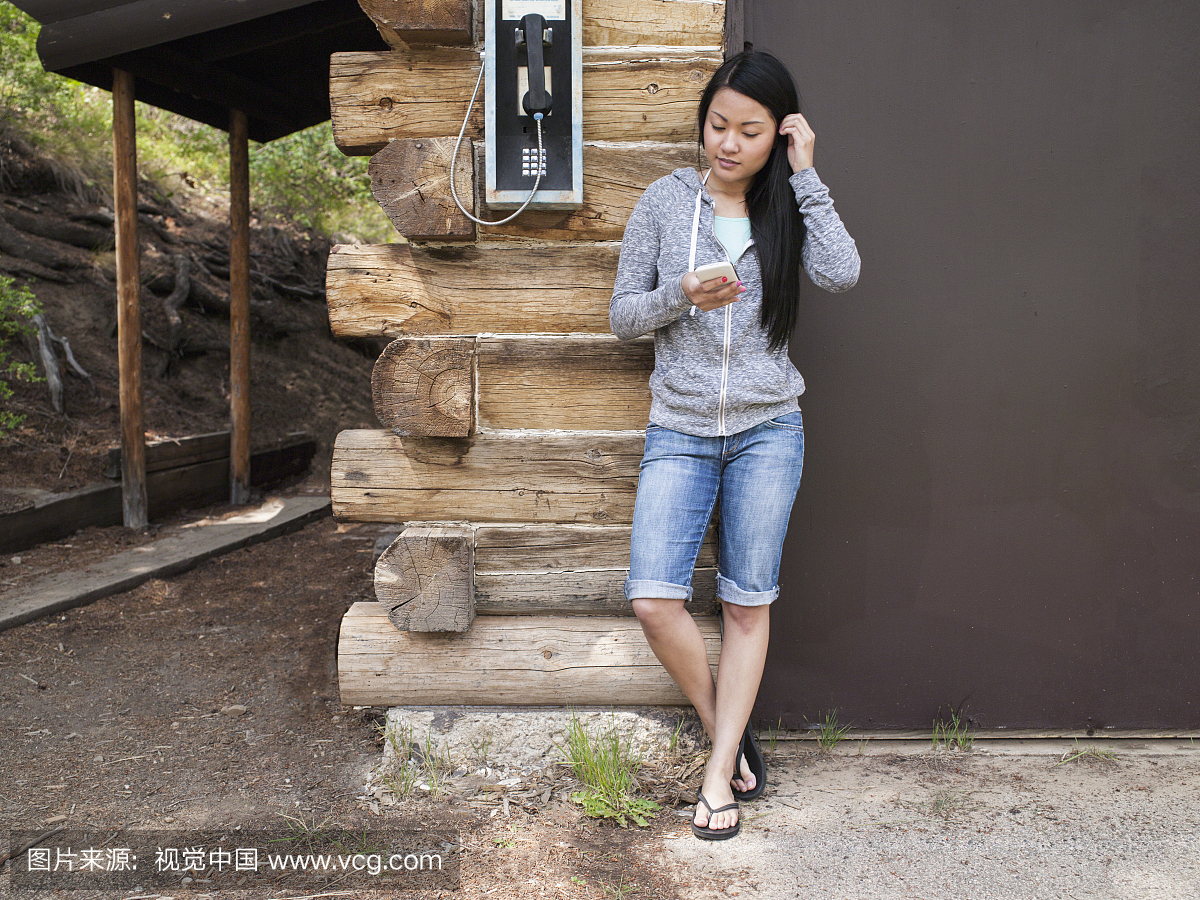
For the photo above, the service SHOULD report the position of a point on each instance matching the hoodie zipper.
(728, 323)
(728, 330)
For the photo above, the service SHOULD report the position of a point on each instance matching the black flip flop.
(715, 834)
(748, 748)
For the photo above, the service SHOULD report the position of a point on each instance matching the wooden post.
(129, 312)
(239, 307)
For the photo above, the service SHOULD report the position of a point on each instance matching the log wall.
(512, 421)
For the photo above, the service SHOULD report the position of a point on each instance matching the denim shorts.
(756, 474)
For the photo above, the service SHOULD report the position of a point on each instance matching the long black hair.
(775, 220)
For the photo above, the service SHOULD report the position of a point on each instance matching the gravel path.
(1007, 820)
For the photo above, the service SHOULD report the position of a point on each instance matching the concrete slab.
(169, 556)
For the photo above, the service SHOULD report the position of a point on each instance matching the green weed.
(953, 735)
(830, 732)
(604, 766)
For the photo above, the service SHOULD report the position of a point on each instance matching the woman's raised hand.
(801, 141)
(711, 294)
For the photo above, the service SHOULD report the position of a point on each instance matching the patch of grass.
(325, 836)
(428, 761)
(946, 804)
(830, 732)
(604, 766)
(437, 765)
(481, 748)
(1091, 751)
(773, 734)
(673, 746)
(620, 890)
(955, 734)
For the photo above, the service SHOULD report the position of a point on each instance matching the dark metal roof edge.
(143, 23)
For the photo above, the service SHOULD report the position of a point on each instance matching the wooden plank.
(169, 454)
(571, 383)
(129, 311)
(168, 491)
(169, 556)
(410, 180)
(389, 290)
(584, 477)
(514, 660)
(629, 94)
(614, 177)
(568, 570)
(426, 387)
(423, 580)
(401, 22)
(622, 23)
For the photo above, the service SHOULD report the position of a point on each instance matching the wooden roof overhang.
(202, 58)
(256, 68)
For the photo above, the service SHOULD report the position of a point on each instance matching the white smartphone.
(716, 270)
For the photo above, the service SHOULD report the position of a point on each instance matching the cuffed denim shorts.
(755, 473)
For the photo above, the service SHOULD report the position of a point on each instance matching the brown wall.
(1001, 500)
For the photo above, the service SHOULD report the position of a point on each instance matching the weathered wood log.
(587, 477)
(389, 290)
(615, 23)
(521, 660)
(426, 388)
(628, 94)
(568, 570)
(614, 177)
(15, 266)
(404, 22)
(58, 258)
(65, 232)
(45, 342)
(572, 382)
(410, 179)
(171, 305)
(424, 580)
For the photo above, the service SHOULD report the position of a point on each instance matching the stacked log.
(513, 421)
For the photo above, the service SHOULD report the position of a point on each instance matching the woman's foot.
(749, 760)
(746, 782)
(707, 831)
(711, 813)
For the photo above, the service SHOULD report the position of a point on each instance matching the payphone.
(533, 132)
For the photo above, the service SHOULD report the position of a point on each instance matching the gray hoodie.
(713, 374)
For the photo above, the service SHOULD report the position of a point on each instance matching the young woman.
(724, 420)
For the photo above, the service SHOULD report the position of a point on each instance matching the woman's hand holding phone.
(714, 292)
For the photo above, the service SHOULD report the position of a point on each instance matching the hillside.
(56, 237)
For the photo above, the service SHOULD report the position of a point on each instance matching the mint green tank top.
(733, 234)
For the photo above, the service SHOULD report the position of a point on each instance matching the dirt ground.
(112, 716)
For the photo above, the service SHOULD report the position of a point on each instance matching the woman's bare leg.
(724, 707)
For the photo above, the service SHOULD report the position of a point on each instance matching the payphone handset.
(533, 134)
